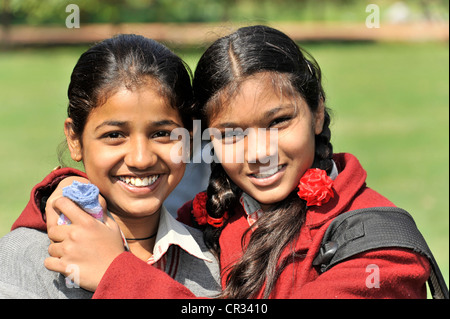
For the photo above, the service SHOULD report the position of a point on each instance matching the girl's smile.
(139, 185)
(139, 181)
(266, 177)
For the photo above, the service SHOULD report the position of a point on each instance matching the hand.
(51, 214)
(87, 245)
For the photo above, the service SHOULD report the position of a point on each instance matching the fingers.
(58, 234)
(102, 202)
(56, 250)
(55, 264)
(51, 214)
(71, 210)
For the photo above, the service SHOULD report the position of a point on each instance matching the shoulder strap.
(365, 229)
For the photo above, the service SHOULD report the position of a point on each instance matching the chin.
(271, 197)
(268, 200)
(141, 209)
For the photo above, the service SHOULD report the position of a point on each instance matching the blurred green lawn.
(390, 104)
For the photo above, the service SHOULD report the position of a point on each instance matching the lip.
(139, 190)
(267, 181)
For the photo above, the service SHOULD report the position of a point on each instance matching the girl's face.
(125, 148)
(259, 105)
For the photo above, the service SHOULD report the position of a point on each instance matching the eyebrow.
(269, 114)
(277, 109)
(111, 123)
(124, 123)
(165, 123)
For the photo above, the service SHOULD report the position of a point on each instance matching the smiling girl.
(271, 223)
(126, 95)
(265, 222)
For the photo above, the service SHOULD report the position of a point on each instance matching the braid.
(222, 197)
(269, 236)
(324, 149)
(220, 71)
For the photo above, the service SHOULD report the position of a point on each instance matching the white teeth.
(139, 182)
(268, 173)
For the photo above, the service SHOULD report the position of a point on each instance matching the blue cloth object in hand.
(86, 196)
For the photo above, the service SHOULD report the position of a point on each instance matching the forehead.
(148, 97)
(254, 98)
(137, 107)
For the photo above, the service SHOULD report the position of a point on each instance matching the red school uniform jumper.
(402, 272)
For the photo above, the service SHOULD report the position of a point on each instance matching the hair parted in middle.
(226, 64)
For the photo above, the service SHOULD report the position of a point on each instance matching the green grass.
(391, 109)
(390, 105)
(33, 86)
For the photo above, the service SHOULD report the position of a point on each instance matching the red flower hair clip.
(201, 215)
(315, 187)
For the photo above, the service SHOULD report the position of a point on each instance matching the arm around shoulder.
(128, 277)
(33, 215)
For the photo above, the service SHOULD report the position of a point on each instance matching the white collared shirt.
(171, 232)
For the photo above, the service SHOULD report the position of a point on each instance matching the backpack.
(365, 229)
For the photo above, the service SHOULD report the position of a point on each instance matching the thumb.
(108, 220)
(104, 205)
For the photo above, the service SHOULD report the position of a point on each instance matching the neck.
(139, 227)
(265, 207)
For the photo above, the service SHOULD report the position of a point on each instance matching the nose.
(140, 154)
(262, 146)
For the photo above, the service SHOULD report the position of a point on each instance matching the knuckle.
(59, 203)
(67, 249)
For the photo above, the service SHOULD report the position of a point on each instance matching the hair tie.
(201, 215)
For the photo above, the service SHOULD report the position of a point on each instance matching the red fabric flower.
(201, 215)
(315, 187)
(199, 208)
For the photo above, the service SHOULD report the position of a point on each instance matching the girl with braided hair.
(264, 221)
(264, 216)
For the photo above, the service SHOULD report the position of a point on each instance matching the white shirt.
(172, 232)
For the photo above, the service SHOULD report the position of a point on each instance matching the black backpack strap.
(365, 229)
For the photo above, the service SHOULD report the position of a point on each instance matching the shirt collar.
(253, 209)
(172, 232)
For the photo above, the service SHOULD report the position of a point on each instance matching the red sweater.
(402, 273)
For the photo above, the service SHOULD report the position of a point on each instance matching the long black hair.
(127, 60)
(226, 63)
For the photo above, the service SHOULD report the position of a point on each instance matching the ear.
(73, 140)
(319, 118)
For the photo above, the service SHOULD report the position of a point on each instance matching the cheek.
(96, 159)
(233, 170)
(299, 148)
(230, 153)
(176, 167)
(230, 157)
(99, 167)
(177, 171)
